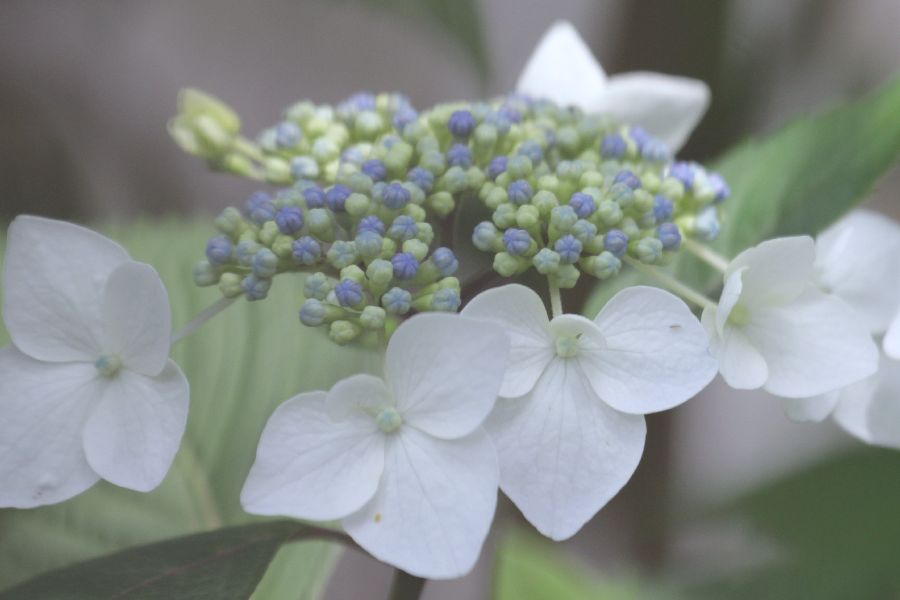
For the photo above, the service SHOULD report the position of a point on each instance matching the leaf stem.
(687, 293)
(406, 586)
(555, 298)
(205, 315)
(705, 253)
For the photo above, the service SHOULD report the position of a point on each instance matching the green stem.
(406, 586)
(687, 293)
(706, 254)
(205, 315)
(555, 298)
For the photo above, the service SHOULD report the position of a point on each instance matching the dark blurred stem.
(651, 488)
(406, 586)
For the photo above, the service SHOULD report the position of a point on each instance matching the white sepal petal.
(891, 341)
(444, 372)
(522, 315)
(740, 363)
(870, 409)
(136, 318)
(655, 354)
(43, 409)
(563, 69)
(563, 452)
(776, 271)
(668, 107)
(813, 409)
(134, 432)
(434, 506)
(357, 395)
(310, 466)
(53, 279)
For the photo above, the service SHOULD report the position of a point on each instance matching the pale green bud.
(505, 215)
(508, 265)
(528, 216)
(343, 332)
(277, 170)
(230, 285)
(567, 276)
(205, 274)
(357, 205)
(441, 203)
(546, 261)
(417, 248)
(354, 273)
(373, 317)
(231, 222)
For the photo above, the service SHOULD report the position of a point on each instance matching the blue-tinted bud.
(615, 242)
(265, 263)
(342, 254)
(706, 226)
(517, 241)
(640, 136)
(583, 204)
(353, 155)
(445, 261)
(461, 124)
(613, 146)
(375, 169)
(459, 155)
(313, 313)
(219, 249)
(584, 230)
(317, 285)
(369, 244)
(403, 228)
(683, 172)
(370, 223)
(423, 178)
(546, 261)
(348, 292)
(304, 167)
(205, 274)
(245, 251)
(287, 134)
(289, 219)
(446, 300)
(320, 222)
(260, 208)
(662, 208)
(336, 196)
(405, 265)
(397, 301)
(569, 249)
(719, 186)
(484, 236)
(532, 150)
(314, 197)
(622, 194)
(497, 166)
(603, 265)
(255, 288)
(404, 116)
(563, 217)
(669, 235)
(395, 196)
(628, 178)
(519, 192)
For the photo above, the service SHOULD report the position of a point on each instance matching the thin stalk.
(205, 315)
(555, 298)
(406, 586)
(687, 293)
(705, 253)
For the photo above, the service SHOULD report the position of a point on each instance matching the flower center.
(739, 315)
(108, 364)
(389, 420)
(566, 346)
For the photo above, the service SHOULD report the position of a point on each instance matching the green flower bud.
(546, 261)
(354, 273)
(342, 254)
(508, 265)
(609, 213)
(231, 222)
(643, 201)
(648, 250)
(205, 274)
(416, 212)
(505, 215)
(441, 203)
(230, 285)
(380, 272)
(528, 217)
(268, 232)
(672, 189)
(425, 233)
(567, 276)
(545, 201)
(277, 170)
(343, 332)
(547, 183)
(357, 205)
(320, 224)
(417, 248)
(282, 246)
(238, 164)
(495, 197)
(568, 140)
(368, 125)
(602, 266)
(518, 167)
(372, 318)
(317, 285)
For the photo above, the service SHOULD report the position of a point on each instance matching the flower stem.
(705, 253)
(406, 586)
(205, 315)
(555, 298)
(687, 293)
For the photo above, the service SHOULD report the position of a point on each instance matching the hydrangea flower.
(569, 428)
(403, 462)
(562, 69)
(775, 329)
(88, 389)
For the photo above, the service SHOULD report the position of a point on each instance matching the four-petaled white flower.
(569, 428)
(774, 328)
(88, 390)
(404, 463)
(562, 69)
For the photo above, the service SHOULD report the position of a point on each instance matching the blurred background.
(88, 85)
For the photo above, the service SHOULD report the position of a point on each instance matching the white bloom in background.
(775, 329)
(88, 390)
(404, 462)
(569, 428)
(870, 409)
(891, 340)
(562, 69)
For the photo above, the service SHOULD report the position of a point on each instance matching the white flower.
(404, 463)
(870, 409)
(774, 328)
(562, 69)
(88, 391)
(569, 429)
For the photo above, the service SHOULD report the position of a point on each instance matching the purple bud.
(336, 196)
(459, 155)
(583, 204)
(519, 191)
(532, 150)
(396, 196)
(218, 250)
(260, 208)
(348, 292)
(423, 178)
(375, 169)
(517, 241)
(403, 228)
(569, 249)
(371, 223)
(628, 178)
(616, 242)
(719, 186)
(314, 197)
(497, 166)
(662, 208)
(289, 219)
(461, 124)
(640, 136)
(613, 146)
(445, 261)
(684, 172)
(287, 134)
(669, 235)
(306, 250)
(405, 265)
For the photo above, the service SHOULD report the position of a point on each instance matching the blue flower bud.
(375, 169)
(405, 265)
(445, 261)
(245, 251)
(584, 230)
(662, 208)
(484, 236)
(613, 146)
(397, 301)
(459, 155)
(255, 288)
(532, 150)
(669, 235)
(313, 313)
(260, 208)
(353, 155)
(720, 187)
(336, 196)
(342, 254)
(219, 249)
(569, 249)
(403, 228)
(395, 196)
(497, 166)
(517, 241)
(348, 292)
(616, 242)
(314, 197)
(404, 116)
(265, 263)
(462, 123)
(369, 243)
(287, 134)
(583, 204)
(304, 167)
(546, 261)
(628, 178)
(706, 226)
(370, 223)
(684, 172)
(446, 299)
(519, 192)
(422, 178)
(640, 136)
(289, 219)
(317, 285)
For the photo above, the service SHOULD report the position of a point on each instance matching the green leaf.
(224, 564)
(241, 365)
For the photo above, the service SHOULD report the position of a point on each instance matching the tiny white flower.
(569, 428)
(88, 390)
(404, 463)
(774, 328)
(563, 69)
